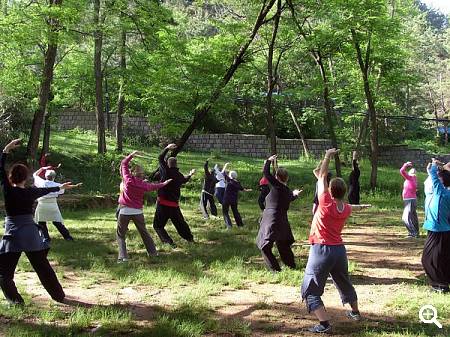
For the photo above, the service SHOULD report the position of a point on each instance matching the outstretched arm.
(357, 208)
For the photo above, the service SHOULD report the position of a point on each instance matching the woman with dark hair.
(275, 227)
(22, 234)
(327, 255)
(436, 252)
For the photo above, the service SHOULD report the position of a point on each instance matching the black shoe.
(69, 238)
(440, 289)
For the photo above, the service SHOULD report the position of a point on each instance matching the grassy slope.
(193, 273)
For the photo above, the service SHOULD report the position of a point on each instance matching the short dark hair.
(338, 188)
(445, 176)
(282, 174)
(18, 173)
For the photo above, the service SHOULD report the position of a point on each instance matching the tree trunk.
(46, 138)
(329, 118)
(200, 113)
(46, 81)
(121, 99)
(98, 74)
(362, 133)
(302, 137)
(364, 66)
(271, 75)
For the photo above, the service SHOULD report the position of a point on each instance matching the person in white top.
(47, 208)
(221, 183)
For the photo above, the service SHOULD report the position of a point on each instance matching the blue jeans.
(326, 260)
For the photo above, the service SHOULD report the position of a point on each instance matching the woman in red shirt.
(327, 255)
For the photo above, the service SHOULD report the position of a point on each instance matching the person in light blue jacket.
(436, 252)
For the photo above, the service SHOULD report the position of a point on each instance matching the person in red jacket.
(131, 203)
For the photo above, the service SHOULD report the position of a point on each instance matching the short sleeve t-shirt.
(328, 221)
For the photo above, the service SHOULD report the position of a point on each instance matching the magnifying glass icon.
(428, 315)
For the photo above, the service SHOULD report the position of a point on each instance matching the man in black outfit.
(275, 227)
(167, 206)
(353, 184)
(207, 195)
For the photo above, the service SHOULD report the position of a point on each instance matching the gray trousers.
(409, 217)
(324, 261)
(122, 229)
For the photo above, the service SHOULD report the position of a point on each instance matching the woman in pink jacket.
(410, 200)
(131, 203)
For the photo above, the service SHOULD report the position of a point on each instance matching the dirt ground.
(384, 260)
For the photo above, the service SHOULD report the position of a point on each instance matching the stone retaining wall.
(256, 146)
(71, 119)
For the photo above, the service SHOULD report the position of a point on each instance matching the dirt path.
(383, 258)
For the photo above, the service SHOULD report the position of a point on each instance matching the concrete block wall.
(397, 155)
(256, 146)
(71, 119)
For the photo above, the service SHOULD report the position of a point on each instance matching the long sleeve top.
(274, 224)
(231, 190)
(39, 182)
(210, 180)
(410, 184)
(19, 201)
(220, 178)
(437, 219)
(133, 188)
(169, 195)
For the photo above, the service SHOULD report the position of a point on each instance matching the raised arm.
(403, 170)
(7, 149)
(162, 160)
(438, 187)
(225, 168)
(38, 181)
(206, 168)
(355, 165)
(125, 166)
(266, 171)
(316, 171)
(322, 183)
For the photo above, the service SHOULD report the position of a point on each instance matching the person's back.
(438, 212)
(231, 191)
(328, 221)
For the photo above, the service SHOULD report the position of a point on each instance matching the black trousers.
(205, 199)
(237, 216)
(162, 215)
(286, 255)
(59, 226)
(40, 264)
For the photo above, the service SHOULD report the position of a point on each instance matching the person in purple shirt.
(230, 199)
(131, 203)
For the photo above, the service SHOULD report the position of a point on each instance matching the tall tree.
(46, 80)
(98, 74)
(272, 75)
(202, 110)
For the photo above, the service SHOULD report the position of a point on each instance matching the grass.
(179, 292)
